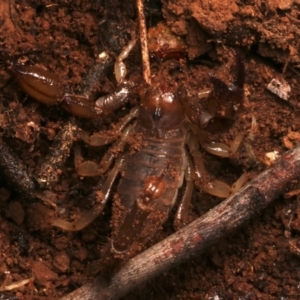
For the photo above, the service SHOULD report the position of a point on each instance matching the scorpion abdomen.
(147, 191)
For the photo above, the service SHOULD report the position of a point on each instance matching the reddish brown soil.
(259, 261)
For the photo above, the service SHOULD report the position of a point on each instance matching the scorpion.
(166, 128)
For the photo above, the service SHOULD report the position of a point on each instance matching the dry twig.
(143, 41)
(198, 235)
(16, 284)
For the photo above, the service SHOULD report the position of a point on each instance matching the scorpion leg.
(85, 168)
(115, 149)
(104, 138)
(221, 149)
(88, 216)
(90, 168)
(214, 187)
(120, 67)
(183, 209)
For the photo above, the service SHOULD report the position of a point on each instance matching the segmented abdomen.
(147, 191)
(158, 158)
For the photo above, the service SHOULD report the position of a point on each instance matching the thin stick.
(200, 234)
(144, 41)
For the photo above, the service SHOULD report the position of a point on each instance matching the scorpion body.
(152, 176)
(154, 149)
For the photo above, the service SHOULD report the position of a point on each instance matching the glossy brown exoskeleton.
(155, 149)
(155, 152)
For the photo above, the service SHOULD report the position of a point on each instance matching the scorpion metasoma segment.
(155, 149)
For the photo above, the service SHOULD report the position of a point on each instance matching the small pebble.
(61, 262)
(42, 273)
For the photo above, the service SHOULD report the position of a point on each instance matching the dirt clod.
(61, 262)
(16, 212)
(42, 273)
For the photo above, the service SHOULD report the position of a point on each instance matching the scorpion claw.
(82, 221)
(224, 100)
(45, 87)
(40, 84)
(79, 106)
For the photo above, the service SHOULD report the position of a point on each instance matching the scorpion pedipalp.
(40, 84)
(46, 87)
(224, 100)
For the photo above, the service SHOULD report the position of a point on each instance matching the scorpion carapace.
(160, 112)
